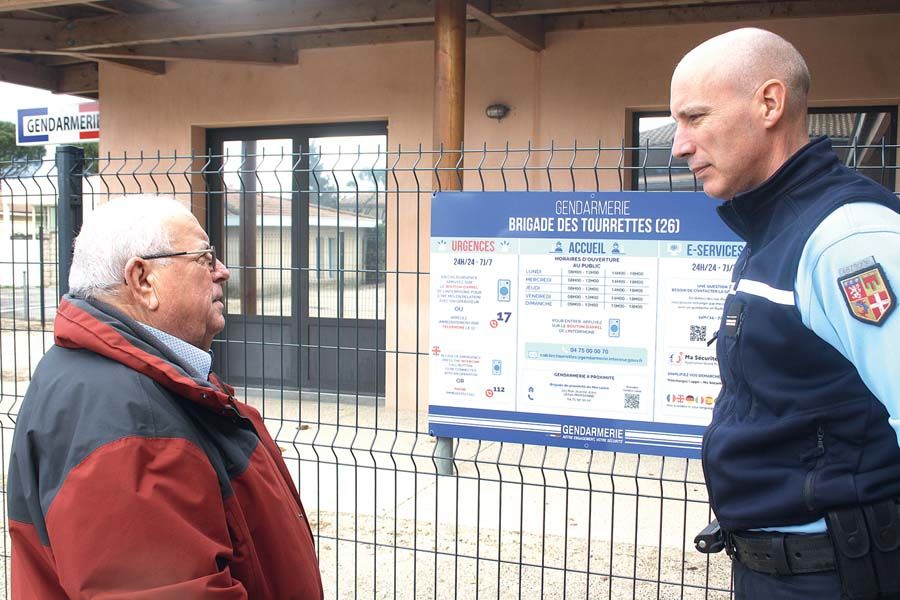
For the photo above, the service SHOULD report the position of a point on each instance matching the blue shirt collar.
(196, 362)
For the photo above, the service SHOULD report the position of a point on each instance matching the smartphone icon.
(503, 292)
(496, 367)
(614, 327)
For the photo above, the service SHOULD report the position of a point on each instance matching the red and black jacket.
(130, 479)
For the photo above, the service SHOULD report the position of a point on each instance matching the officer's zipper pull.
(820, 441)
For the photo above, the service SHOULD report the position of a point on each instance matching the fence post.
(69, 171)
(41, 292)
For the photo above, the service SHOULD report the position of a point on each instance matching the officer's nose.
(682, 145)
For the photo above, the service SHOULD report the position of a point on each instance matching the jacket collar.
(750, 214)
(104, 330)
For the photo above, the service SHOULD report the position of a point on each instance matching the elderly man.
(804, 432)
(134, 473)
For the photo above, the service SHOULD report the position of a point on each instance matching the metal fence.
(327, 334)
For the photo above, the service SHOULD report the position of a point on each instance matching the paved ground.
(550, 520)
(24, 305)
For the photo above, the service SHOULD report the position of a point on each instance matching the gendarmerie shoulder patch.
(867, 292)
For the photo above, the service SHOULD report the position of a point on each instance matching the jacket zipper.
(711, 429)
(811, 476)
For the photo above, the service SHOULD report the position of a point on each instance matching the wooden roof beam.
(527, 31)
(241, 20)
(78, 79)
(27, 73)
(152, 67)
(75, 79)
(148, 67)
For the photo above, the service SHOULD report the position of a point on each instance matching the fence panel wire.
(327, 335)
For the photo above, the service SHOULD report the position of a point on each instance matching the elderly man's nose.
(221, 271)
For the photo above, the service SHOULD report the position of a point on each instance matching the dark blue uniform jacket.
(795, 431)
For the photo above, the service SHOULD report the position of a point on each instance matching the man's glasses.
(210, 252)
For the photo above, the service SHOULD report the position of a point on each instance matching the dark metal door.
(298, 214)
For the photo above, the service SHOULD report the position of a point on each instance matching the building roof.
(362, 211)
(836, 125)
(57, 44)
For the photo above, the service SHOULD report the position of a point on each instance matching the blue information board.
(577, 319)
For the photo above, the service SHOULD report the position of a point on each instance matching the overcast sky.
(14, 97)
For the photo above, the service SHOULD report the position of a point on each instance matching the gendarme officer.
(801, 459)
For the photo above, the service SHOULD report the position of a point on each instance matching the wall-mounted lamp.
(497, 111)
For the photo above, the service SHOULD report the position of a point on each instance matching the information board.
(577, 319)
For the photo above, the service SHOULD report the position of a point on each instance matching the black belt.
(783, 553)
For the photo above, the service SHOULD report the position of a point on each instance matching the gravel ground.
(510, 522)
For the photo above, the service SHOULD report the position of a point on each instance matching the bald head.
(739, 104)
(746, 58)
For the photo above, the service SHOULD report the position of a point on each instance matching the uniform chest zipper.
(712, 428)
(738, 325)
(737, 332)
(818, 453)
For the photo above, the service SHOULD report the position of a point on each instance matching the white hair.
(115, 232)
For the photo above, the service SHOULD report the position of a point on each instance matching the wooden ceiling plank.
(527, 31)
(33, 37)
(58, 60)
(266, 50)
(510, 8)
(242, 20)
(78, 79)
(26, 36)
(721, 14)
(45, 15)
(160, 4)
(386, 35)
(27, 73)
(9, 5)
(105, 8)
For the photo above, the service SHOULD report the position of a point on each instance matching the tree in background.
(91, 160)
(10, 153)
(25, 160)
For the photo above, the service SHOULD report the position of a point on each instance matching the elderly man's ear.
(773, 96)
(141, 284)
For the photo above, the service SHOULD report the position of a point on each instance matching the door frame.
(298, 327)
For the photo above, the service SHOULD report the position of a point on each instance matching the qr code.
(632, 400)
(698, 333)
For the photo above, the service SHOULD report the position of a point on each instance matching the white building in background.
(28, 230)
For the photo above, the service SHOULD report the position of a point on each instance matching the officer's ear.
(141, 283)
(772, 98)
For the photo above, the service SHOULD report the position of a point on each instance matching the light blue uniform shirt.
(853, 233)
